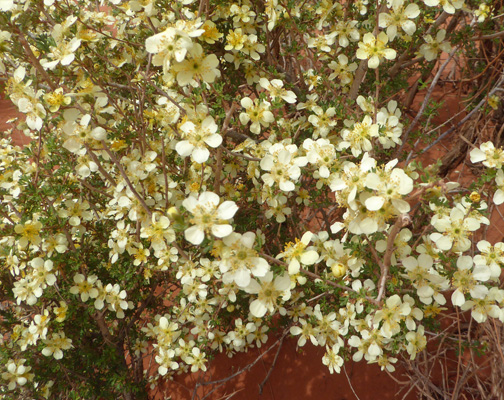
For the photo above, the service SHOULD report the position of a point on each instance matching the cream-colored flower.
(392, 313)
(269, 292)
(61, 311)
(416, 342)
(16, 373)
(29, 232)
(208, 217)
(199, 65)
(62, 54)
(57, 99)
(85, 287)
(342, 70)
(56, 344)
(455, 231)
(346, 31)
(482, 308)
(373, 48)
(171, 44)
(389, 186)
(6, 5)
(252, 47)
(399, 17)
(43, 272)
(492, 157)
(320, 153)
(390, 127)
(282, 166)
(257, 112)
(466, 279)
(323, 121)
(332, 359)
(296, 253)
(197, 138)
(493, 256)
(498, 197)
(449, 6)
(276, 90)
(158, 232)
(240, 260)
(482, 12)
(359, 137)
(211, 34)
(431, 49)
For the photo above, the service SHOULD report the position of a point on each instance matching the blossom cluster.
(202, 173)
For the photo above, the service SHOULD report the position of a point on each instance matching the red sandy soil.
(296, 375)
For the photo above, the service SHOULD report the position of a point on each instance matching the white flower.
(491, 157)
(283, 166)
(16, 373)
(323, 121)
(171, 44)
(258, 112)
(42, 274)
(296, 254)
(416, 342)
(499, 193)
(466, 278)
(373, 48)
(85, 287)
(433, 47)
(399, 17)
(450, 6)
(208, 216)
(359, 138)
(6, 5)
(455, 228)
(320, 153)
(391, 186)
(116, 299)
(391, 315)
(346, 32)
(240, 260)
(56, 344)
(493, 256)
(481, 308)
(268, 292)
(332, 359)
(390, 127)
(62, 54)
(275, 89)
(198, 138)
(198, 66)
(342, 70)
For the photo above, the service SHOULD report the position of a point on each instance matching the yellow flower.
(493, 101)
(61, 311)
(29, 232)
(235, 39)
(57, 99)
(211, 34)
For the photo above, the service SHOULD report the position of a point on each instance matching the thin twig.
(261, 386)
(350, 383)
(426, 99)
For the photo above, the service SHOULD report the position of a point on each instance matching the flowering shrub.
(202, 173)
